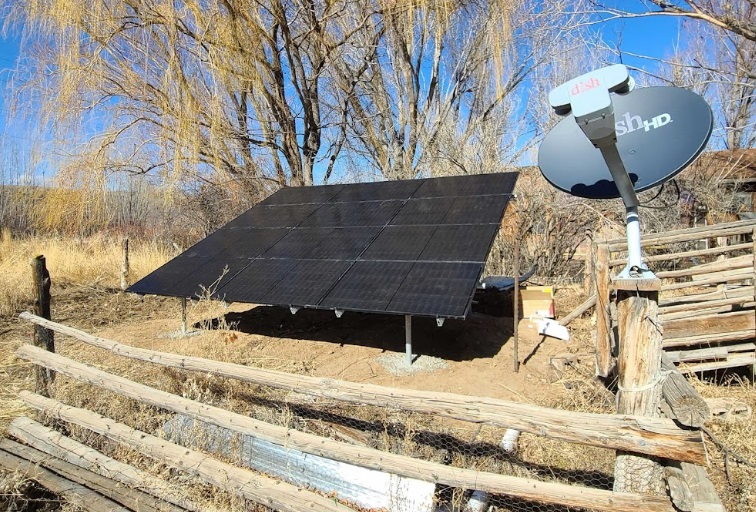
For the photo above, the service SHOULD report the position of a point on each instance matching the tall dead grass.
(93, 261)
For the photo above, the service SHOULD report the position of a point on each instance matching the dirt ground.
(475, 355)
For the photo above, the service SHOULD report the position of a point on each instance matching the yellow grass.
(93, 261)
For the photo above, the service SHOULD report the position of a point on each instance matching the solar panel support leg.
(408, 338)
(183, 315)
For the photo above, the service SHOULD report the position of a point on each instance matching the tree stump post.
(639, 372)
(125, 264)
(42, 337)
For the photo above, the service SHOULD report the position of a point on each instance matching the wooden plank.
(704, 312)
(686, 405)
(582, 308)
(711, 324)
(603, 320)
(76, 494)
(725, 293)
(248, 484)
(709, 353)
(133, 499)
(57, 445)
(689, 341)
(682, 308)
(732, 361)
(709, 270)
(687, 235)
(723, 277)
(645, 435)
(620, 262)
(231, 478)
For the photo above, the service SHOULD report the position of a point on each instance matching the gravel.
(396, 364)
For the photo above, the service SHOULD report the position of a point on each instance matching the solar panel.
(414, 247)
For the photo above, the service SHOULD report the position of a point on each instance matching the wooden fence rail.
(529, 489)
(651, 436)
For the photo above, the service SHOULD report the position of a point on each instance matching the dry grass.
(94, 261)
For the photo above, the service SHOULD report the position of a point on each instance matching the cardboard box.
(538, 301)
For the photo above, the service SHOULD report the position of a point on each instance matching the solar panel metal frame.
(373, 244)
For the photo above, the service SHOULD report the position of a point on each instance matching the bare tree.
(737, 17)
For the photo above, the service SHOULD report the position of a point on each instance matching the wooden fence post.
(125, 264)
(590, 255)
(42, 337)
(603, 320)
(753, 251)
(640, 382)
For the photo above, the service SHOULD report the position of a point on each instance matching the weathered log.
(680, 315)
(715, 267)
(248, 484)
(582, 308)
(732, 361)
(709, 353)
(723, 277)
(638, 370)
(57, 445)
(726, 293)
(133, 499)
(687, 405)
(125, 267)
(643, 435)
(679, 490)
(705, 496)
(710, 324)
(690, 341)
(687, 235)
(41, 336)
(229, 477)
(683, 308)
(685, 254)
(603, 320)
(73, 493)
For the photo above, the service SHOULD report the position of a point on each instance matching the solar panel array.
(414, 247)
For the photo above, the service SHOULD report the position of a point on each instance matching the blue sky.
(653, 36)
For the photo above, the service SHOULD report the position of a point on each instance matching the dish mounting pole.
(408, 338)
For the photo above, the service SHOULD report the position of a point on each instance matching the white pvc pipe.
(408, 338)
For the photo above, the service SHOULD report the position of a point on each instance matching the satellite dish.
(660, 131)
(619, 141)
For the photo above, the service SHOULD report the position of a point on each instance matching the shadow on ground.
(479, 336)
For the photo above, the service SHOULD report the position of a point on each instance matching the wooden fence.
(707, 299)
(647, 436)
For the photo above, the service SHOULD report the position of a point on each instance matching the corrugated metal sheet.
(365, 487)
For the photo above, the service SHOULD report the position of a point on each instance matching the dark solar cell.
(252, 283)
(367, 286)
(298, 243)
(477, 210)
(299, 195)
(399, 243)
(373, 213)
(242, 243)
(471, 185)
(370, 192)
(460, 243)
(423, 211)
(280, 216)
(307, 283)
(211, 275)
(344, 243)
(440, 289)
(164, 280)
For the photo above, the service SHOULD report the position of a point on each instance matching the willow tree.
(254, 95)
(227, 89)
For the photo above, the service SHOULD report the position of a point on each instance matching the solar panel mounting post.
(183, 316)
(408, 338)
